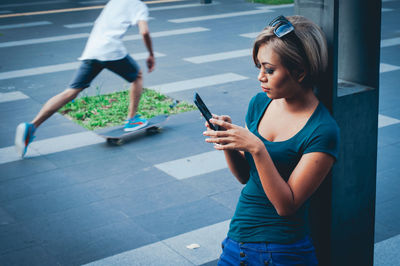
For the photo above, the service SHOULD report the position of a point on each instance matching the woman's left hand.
(233, 138)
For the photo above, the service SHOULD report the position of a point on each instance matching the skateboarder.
(104, 49)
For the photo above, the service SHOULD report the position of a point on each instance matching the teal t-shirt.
(255, 218)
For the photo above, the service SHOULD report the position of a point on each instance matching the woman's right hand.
(225, 118)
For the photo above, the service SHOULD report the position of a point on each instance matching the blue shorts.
(126, 67)
(301, 252)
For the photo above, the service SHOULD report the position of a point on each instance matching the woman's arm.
(238, 165)
(286, 197)
(235, 159)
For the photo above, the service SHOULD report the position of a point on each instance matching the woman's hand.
(232, 137)
(225, 118)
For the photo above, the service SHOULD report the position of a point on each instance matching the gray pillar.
(343, 210)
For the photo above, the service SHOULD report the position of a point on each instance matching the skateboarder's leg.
(53, 104)
(24, 134)
(87, 71)
(135, 93)
(84, 76)
(130, 71)
(134, 121)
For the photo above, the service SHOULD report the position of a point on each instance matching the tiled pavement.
(76, 200)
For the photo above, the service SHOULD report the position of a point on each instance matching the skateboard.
(116, 135)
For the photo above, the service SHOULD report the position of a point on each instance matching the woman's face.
(275, 79)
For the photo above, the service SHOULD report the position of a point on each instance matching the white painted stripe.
(141, 56)
(79, 25)
(12, 96)
(52, 145)
(93, 2)
(173, 251)
(44, 40)
(209, 238)
(384, 121)
(386, 68)
(390, 42)
(25, 25)
(9, 154)
(149, 2)
(276, 6)
(38, 70)
(167, 33)
(194, 165)
(151, 255)
(250, 35)
(387, 9)
(59, 67)
(86, 24)
(218, 56)
(158, 8)
(33, 3)
(86, 35)
(68, 142)
(54, 11)
(387, 252)
(198, 82)
(226, 15)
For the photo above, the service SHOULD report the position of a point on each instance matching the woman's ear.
(299, 75)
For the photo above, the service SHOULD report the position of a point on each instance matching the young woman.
(287, 148)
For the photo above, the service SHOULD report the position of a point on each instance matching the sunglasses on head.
(281, 26)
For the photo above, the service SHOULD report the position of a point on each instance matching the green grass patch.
(272, 2)
(100, 111)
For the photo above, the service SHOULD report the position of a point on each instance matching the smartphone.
(204, 110)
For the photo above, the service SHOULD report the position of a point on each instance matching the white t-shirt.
(105, 40)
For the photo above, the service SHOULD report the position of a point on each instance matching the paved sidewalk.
(75, 200)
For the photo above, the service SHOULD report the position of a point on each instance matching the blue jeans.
(301, 252)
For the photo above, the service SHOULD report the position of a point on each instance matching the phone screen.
(204, 110)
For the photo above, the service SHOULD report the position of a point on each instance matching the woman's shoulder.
(325, 118)
(261, 96)
(324, 125)
(323, 134)
(256, 105)
(260, 99)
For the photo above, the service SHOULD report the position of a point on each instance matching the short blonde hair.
(303, 49)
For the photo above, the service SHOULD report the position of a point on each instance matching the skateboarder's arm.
(144, 31)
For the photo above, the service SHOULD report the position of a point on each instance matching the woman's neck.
(302, 101)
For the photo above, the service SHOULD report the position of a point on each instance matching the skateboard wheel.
(114, 141)
(153, 130)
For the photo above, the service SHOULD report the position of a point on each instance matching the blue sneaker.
(23, 137)
(135, 123)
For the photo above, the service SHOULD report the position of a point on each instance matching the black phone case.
(204, 110)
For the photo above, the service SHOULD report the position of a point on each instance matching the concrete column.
(343, 210)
